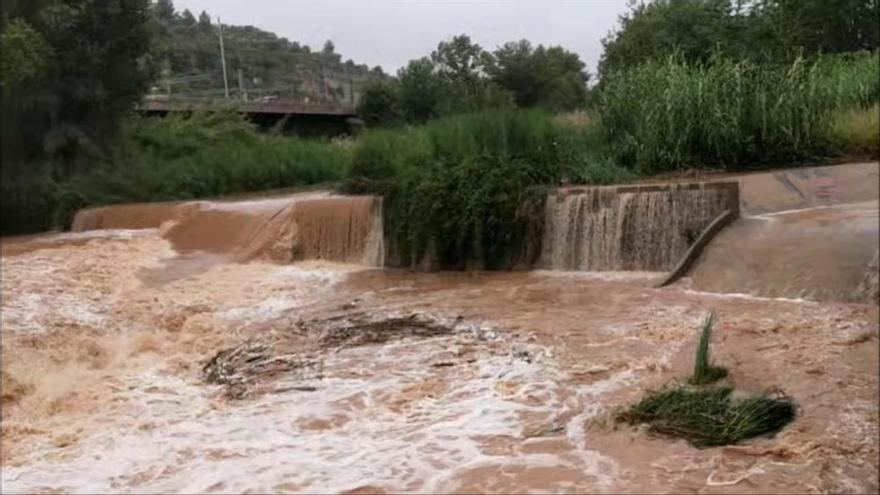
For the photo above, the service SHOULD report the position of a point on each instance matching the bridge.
(300, 117)
(273, 106)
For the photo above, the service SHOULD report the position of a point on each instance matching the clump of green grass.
(704, 371)
(711, 417)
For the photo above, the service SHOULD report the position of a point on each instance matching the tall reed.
(671, 114)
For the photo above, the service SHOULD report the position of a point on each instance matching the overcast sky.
(391, 32)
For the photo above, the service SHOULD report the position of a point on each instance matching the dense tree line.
(757, 30)
(460, 76)
(69, 69)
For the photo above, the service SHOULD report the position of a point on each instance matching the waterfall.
(340, 228)
(628, 227)
(284, 229)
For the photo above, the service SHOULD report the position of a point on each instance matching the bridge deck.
(272, 107)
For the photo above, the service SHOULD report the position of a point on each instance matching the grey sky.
(391, 32)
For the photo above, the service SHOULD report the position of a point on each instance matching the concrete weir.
(633, 227)
(306, 226)
(799, 233)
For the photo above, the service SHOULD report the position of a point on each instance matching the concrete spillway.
(291, 228)
(645, 227)
(805, 233)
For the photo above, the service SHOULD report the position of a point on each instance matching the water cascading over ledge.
(641, 227)
(304, 226)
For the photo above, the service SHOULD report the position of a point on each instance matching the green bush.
(204, 155)
(28, 202)
(667, 115)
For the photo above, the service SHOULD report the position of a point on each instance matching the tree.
(188, 18)
(656, 29)
(761, 30)
(820, 25)
(25, 54)
(164, 9)
(550, 77)
(204, 20)
(57, 117)
(380, 105)
(421, 90)
(329, 54)
(459, 59)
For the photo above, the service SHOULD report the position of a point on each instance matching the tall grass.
(465, 185)
(704, 371)
(857, 131)
(670, 114)
(202, 155)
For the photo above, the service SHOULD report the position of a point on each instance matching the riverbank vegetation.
(672, 114)
(460, 139)
(458, 184)
(202, 156)
(463, 187)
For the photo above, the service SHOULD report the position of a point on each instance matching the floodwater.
(819, 253)
(511, 391)
(208, 351)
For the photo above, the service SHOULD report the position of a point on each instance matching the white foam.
(418, 444)
(321, 273)
(739, 295)
(605, 276)
(264, 310)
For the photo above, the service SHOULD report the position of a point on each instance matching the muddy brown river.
(329, 377)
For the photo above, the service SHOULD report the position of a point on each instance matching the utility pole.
(223, 60)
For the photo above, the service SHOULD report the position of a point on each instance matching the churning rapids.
(207, 350)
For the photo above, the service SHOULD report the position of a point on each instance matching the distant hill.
(259, 64)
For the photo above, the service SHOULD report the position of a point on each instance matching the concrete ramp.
(799, 188)
(819, 254)
(805, 233)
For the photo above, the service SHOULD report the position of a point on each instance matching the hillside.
(259, 64)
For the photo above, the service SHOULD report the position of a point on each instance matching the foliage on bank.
(671, 114)
(762, 31)
(202, 156)
(69, 70)
(462, 188)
